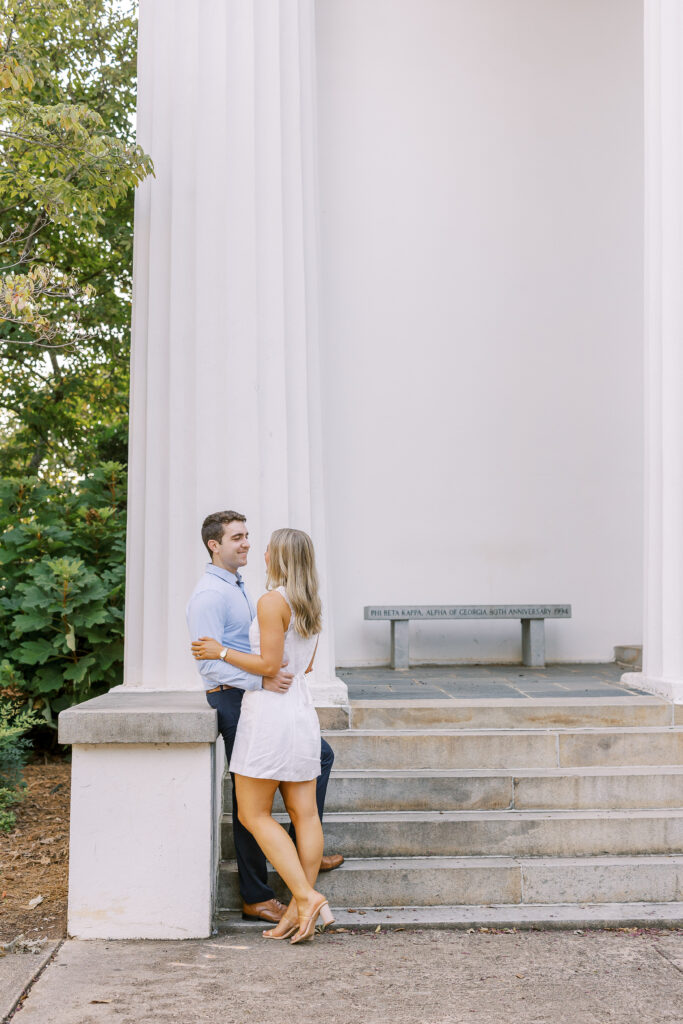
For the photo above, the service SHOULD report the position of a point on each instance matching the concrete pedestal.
(144, 815)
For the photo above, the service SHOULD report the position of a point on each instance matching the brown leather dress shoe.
(269, 910)
(332, 861)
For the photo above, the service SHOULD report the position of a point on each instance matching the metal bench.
(532, 616)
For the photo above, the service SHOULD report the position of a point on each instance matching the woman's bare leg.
(255, 802)
(299, 798)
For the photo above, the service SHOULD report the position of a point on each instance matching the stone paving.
(409, 977)
(497, 682)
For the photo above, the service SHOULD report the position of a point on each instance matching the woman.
(278, 737)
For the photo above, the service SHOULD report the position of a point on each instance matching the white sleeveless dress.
(278, 734)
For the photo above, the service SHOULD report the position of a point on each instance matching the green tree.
(62, 576)
(15, 722)
(68, 168)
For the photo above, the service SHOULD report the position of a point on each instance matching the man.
(221, 608)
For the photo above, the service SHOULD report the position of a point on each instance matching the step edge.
(505, 814)
(626, 730)
(483, 861)
(551, 916)
(572, 771)
(438, 703)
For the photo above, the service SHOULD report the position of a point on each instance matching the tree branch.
(39, 223)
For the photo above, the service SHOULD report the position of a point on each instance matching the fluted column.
(663, 628)
(224, 395)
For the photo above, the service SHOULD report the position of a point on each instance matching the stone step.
(514, 749)
(498, 789)
(515, 916)
(605, 788)
(523, 713)
(436, 881)
(496, 833)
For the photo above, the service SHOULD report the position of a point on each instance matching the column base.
(327, 692)
(671, 689)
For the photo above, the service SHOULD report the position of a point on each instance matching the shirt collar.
(223, 574)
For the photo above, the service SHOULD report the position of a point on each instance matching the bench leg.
(533, 642)
(399, 643)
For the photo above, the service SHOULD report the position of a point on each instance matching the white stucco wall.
(481, 246)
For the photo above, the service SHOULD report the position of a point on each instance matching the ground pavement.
(367, 977)
(492, 682)
(430, 977)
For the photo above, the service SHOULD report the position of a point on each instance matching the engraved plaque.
(469, 611)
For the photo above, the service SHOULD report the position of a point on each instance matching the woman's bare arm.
(273, 618)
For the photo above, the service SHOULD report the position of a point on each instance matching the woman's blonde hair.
(292, 565)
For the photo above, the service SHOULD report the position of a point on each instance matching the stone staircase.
(510, 812)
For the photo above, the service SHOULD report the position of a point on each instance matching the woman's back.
(298, 649)
(278, 736)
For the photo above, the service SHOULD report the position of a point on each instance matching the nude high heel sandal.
(307, 932)
(289, 925)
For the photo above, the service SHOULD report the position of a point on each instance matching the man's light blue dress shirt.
(221, 608)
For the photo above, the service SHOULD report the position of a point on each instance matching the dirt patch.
(34, 857)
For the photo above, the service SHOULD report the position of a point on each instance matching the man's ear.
(213, 546)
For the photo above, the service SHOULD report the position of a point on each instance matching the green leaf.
(36, 620)
(77, 672)
(35, 652)
(48, 679)
(93, 616)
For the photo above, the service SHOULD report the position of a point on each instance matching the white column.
(225, 394)
(663, 633)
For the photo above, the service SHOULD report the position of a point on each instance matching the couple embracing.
(253, 662)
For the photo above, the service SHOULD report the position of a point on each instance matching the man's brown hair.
(213, 526)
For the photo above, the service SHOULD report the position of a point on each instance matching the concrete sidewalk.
(18, 970)
(411, 977)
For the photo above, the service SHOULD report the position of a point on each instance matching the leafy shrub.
(62, 575)
(14, 747)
